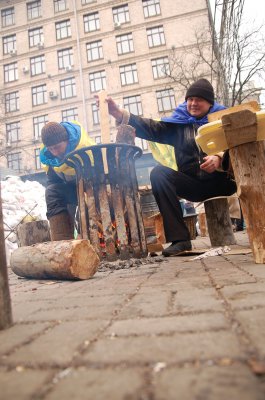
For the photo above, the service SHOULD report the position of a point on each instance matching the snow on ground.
(20, 201)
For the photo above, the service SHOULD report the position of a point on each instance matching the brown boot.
(61, 227)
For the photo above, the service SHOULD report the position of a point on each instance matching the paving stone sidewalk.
(165, 329)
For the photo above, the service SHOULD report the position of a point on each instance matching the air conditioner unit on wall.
(117, 25)
(53, 94)
(25, 70)
(68, 68)
(40, 45)
(13, 52)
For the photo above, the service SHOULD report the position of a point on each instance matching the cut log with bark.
(219, 222)
(63, 260)
(248, 162)
(33, 232)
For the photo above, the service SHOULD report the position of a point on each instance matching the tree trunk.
(248, 162)
(219, 222)
(5, 303)
(64, 259)
(33, 232)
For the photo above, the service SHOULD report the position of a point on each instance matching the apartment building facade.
(57, 54)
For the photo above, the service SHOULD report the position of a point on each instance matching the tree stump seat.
(219, 223)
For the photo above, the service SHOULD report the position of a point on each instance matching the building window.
(34, 9)
(124, 43)
(35, 36)
(59, 5)
(88, 1)
(65, 58)
(63, 29)
(37, 65)
(71, 114)
(97, 139)
(141, 143)
(39, 95)
(97, 81)
(156, 36)
(14, 161)
(121, 14)
(165, 100)
(10, 72)
(37, 159)
(67, 88)
(95, 114)
(12, 132)
(91, 22)
(128, 74)
(8, 16)
(133, 104)
(9, 44)
(160, 67)
(94, 50)
(12, 102)
(38, 124)
(151, 8)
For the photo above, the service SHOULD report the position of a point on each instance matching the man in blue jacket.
(197, 176)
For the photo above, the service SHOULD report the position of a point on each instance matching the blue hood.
(181, 116)
(74, 133)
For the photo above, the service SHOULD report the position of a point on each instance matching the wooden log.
(219, 222)
(202, 224)
(5, 303)
(251, 105)
(248, 162)
(33, 232)
(104, 117)
(64, 259)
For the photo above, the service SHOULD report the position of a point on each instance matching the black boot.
(177, 248)
(61, 227)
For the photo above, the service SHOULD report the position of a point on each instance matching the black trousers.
(60, 197)
(167, 184)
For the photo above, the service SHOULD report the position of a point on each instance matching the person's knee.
(55, 200)
(157, 174)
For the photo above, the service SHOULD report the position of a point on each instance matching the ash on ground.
(130, 263)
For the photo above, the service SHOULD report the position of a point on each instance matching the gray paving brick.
(168, 325)
(75, 313)
(253, 322)
(247, 295)
(210, 383)
(146, 305)
(84, 384)
(58, 345)
(18, 334)
(197, 300)
(175, 348)
(22, 384)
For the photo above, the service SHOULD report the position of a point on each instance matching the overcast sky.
(253, 15)
(255, 10)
